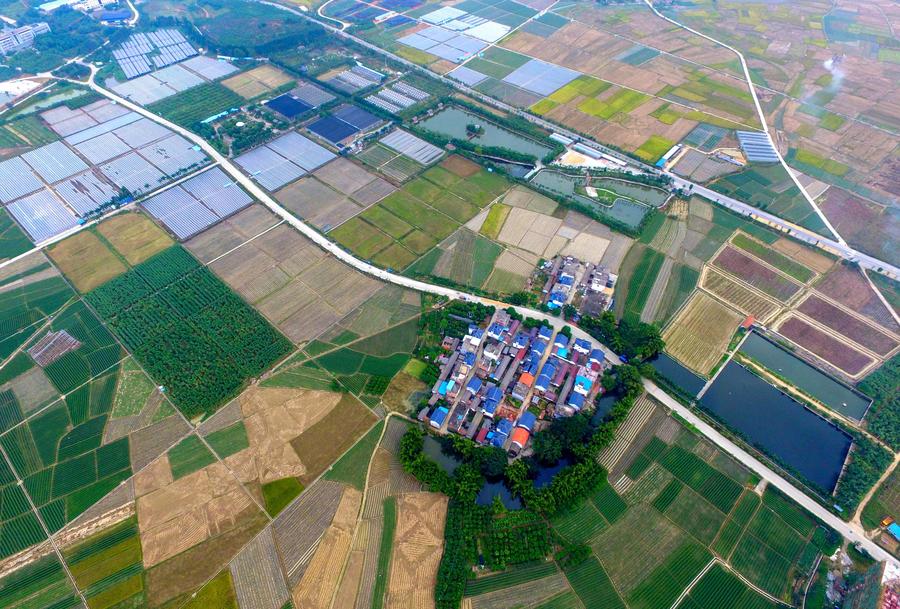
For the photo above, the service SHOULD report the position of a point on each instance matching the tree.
(548, 448)
(493, 462)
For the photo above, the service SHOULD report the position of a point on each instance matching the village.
(508, 377)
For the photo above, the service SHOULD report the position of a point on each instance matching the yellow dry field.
(745, 300)
(86, 261)
(700, 333)
(804, 255)
(586, 246)
(397, 396)
(530, 200)
(134, 235)
(320, 581)
(273, 418)
(176, 515)
(257, 81)
(418, 545)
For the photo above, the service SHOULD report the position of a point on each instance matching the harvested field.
(861, 332)
(320, 580)
(273, 418)
(806, 256)
(257, 577)
(257, 81)
(134, 235)
(230, 233)
(316, 203)
(299, 527)
(700, 333)
(178, 515)
(418, 544)
(743, 299)
(297, 286)
(86, 261)
(755, 274)
(332, 435)
(847, 286)
(152, 441)
(828, 348)
(189, 570)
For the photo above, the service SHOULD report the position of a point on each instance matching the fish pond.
(622, 210)
(831, 392)
(793, 435)
(452, 122)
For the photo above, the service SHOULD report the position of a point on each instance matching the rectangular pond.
(624, 210)
(783, 428)
(831, 392)
(452, 121)
(678, 375)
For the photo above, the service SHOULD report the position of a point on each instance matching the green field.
(353, 467)
(42, 583)
(188, 329)
(779, 261)
(592, 585)
(721, 588)
(465, 258)
(189, 456)
(385, 548)
(653, 148)
(621, 101)
(646, 265)
(13, 240)
(196, 104)
(279, 493)
(229, 440)
(511, 577)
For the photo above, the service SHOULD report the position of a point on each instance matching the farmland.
(406, 224)
(698, 335)
(196, 104)
(179, 319)
(256, 82)
(825, 346)
(768, 281)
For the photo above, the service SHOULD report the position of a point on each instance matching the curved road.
(852, 533)
(803, 234)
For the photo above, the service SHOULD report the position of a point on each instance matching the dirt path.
(871, 492)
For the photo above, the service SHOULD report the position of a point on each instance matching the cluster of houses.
(586, 286)
(496, 384)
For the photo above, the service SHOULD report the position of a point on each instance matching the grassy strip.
(385, 549)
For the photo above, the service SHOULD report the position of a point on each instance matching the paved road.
(727, 445)
(834, 247)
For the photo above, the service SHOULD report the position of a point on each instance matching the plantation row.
(192, 334)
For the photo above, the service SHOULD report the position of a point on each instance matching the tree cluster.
(635, 340)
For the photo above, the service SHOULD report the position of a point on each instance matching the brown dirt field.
(344, 176)
(820, 263)
(177, 516)
(848, 287)
(189, 570)
(325, 441)
(155, 476)
(320, 581)
(460, 166)
(842, 322)
(826, 347)
(230, 233)
(257, 81)
(754, 273)
(134, 235)
(317, 203)
(273, 418)
(396, 397)
(349, 584)
(86, 261)
(698, 336)
(418, 545)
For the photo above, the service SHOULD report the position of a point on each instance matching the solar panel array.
(757, 147)
(144, 51)
(467, 76)
(541, 77)
(47, 189)
(283, 160)
(312, 95)
(85, 192)
(198, 203)
(411, 146)
(397, 97)
(42, 215)
(444, 43)
(356, 79)
(346, 121)
(54, 162)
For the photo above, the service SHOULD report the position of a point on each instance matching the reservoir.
(778, 425)
(452, 121)
(835, 395)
